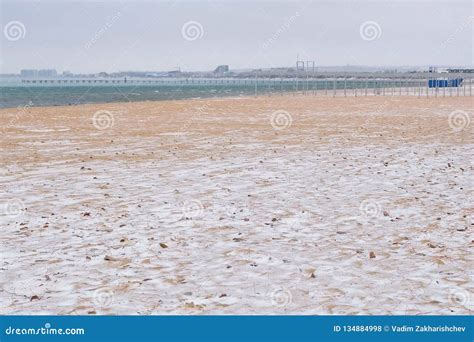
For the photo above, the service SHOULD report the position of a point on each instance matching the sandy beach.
(267, 205)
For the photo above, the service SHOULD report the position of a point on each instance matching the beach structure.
(306, 81)
(444, 83)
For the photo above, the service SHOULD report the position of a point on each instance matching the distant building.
(461, 71)
(436, 70)
(174, 73)
(29, 73)
(221, 69)
(67, 73)
(47, 73)
(38, 73)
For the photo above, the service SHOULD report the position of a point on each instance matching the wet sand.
(268, 205)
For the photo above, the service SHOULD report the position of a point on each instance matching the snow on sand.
(269, 205)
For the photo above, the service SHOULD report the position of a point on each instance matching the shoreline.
(350, 93)
(137, 102)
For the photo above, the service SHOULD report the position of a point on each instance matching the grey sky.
(92, 36)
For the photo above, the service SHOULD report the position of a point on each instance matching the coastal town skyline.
(110, 36)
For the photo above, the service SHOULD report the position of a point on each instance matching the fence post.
(334, 87)
(256, 83)
(307, 80)
(345, 81)
(457, 86)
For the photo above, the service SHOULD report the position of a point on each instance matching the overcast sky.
(92, 36)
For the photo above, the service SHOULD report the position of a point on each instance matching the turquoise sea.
(73, 95)
(16, 94)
